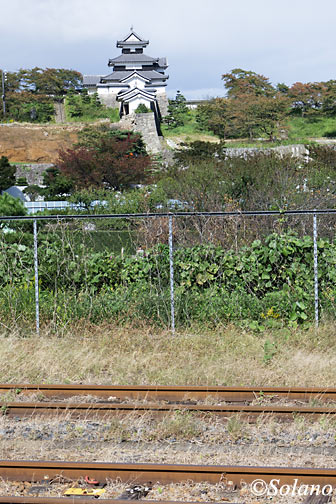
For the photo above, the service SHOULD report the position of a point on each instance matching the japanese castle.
(135, 79)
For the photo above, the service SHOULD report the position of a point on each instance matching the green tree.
(177, 111)
(27, 106)
(93, 137)
(7, 174)
(10, 206)
(217, 116)
(57, 184)
(242, 82)
(180, 103)
(30, 93)
(95, 101)
(266, 115)
(55, 82)
(12, 82)
(142, 109)
(306, 99)
(254, 106)
(74, 104)
(85, 96)
(329, 98)
(282, 88)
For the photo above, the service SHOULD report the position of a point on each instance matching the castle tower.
(136, 79)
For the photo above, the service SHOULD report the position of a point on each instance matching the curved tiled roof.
(125, 42)
(132, 62)
(131, 93)
(91, 80)
(140, 58)
(123, 74)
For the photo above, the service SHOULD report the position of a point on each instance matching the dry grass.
(256, 454)
(175, 427)
(259, 449)
(108, 354)
(186, 491)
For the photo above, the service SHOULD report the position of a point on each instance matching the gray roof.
(16, 193)
(117, 75)
(91, 80)
(153, 75)
(120, 75)
(163, 62)
(124, 42)
(112, 85)
(132, 58)
(127, 95)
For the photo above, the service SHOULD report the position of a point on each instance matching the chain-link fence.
(259, 268)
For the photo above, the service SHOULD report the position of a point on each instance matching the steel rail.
(256, 213)
(61, 500)
(82, 500)
(86, 410)
(36, 471)
(174, 394)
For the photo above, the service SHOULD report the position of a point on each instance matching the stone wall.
(144, 124)
(162, 101)
(33, 172)
(110, 100)
(298, 150)
(295, 150)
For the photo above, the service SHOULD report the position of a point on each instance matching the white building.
(136, 79)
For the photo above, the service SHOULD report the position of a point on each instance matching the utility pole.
(3, 92)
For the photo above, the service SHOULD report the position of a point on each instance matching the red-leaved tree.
(112, 161)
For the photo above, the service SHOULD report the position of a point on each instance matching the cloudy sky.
(285, 40)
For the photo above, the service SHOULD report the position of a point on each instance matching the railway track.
(37, 471)
(60, 500)
(173, 394)
(107, 401)
(105, 410)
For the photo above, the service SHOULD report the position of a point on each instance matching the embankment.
(29, 143)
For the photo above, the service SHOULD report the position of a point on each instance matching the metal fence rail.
(183, 228)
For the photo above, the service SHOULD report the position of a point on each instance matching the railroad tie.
(318, 499)
(135, 492)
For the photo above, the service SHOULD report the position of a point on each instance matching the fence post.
(171, 274)
(37, 299)
(316, 293)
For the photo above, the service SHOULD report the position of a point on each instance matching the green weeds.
(264, 286)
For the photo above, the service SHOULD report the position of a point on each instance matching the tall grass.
(300, 130)
(126, 354)
(304, 128)
(88, 117)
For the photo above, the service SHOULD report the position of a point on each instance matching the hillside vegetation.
(254, 109)
(253, 272)
(256, 273)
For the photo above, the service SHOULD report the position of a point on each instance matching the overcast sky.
(285, 40)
